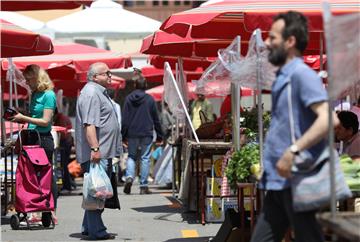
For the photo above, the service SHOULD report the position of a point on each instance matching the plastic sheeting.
(17, 77)
(245, 70)
(219, 71)
(343, 41)
(170, 95)
(164, 172)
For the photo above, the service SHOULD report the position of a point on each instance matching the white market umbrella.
(104, 18)
(22, 21)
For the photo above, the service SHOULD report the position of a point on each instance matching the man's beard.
(277, 56)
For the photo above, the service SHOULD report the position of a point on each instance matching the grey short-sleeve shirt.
(95, 108)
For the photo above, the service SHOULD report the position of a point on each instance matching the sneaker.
(128, 184)
(145, 190)
(54, 218)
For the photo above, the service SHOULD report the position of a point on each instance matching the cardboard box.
(213, 210)
(213, 187)
(246, 191)
(231, 202)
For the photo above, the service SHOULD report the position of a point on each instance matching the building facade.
(159, 10)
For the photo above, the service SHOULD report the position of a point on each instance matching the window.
(196, 4)
(186, 2)
(155, 3)
(177, 3)
(140, 3)
(128, 3)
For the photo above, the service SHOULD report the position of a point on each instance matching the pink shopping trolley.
(33, 182)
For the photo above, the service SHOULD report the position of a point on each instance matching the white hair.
(93, 70)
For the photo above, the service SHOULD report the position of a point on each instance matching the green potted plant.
(243, 164)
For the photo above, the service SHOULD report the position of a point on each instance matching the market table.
(194, 154)
(343, 224)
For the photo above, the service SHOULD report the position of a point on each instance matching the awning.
(16, 41)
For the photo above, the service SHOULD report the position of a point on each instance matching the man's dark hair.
(349, 120)
(295, 25)
(140, 83)
(111, 93)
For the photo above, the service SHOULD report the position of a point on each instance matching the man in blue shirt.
(287, 41)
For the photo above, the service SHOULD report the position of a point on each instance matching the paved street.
(156, 217)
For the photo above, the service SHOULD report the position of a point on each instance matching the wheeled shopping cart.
(33, 182)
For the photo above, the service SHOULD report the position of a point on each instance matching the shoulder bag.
(310, 183)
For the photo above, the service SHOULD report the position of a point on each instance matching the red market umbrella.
(26, 5)
(6, 96)
(158, 91)
(189, 64)
(69, 64)
(153, 74)
(314, 61)
(227, 19)
(162, 43)
(70, 89)
(11, 125)
(16, 41)
(71, 61)
(73, 89)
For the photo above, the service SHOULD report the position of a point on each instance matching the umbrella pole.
(235, 106)
(172, 146)
(11, 77)
(259, 96)
(327, 19)
(16, 92)
(3, 134)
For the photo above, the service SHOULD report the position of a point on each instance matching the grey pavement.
(156, 217)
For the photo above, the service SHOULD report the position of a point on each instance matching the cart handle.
(28, 130)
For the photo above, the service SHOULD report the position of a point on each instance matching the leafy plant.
(238, 169)
(250, 116)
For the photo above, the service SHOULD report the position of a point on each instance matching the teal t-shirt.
(39, 102)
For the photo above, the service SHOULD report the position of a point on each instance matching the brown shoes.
(145, 190)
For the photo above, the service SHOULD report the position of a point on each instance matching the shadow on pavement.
(77, 235)
(86, 238)
(191, 217)
(158, 209)
(5, 220)
(167, 211)
(199, 239)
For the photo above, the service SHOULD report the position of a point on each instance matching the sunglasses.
(108, 73)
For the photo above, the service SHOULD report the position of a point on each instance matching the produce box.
(213, 187)
(214, 212)
(231, 202)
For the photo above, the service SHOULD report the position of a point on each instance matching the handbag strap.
(291, 113)
(325, 153)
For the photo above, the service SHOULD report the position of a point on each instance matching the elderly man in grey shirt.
(98, 137)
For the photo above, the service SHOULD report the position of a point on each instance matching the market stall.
(15, 42)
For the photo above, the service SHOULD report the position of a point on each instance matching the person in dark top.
(66, 142)
(139, 119)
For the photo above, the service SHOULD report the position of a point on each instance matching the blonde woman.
(42, 106)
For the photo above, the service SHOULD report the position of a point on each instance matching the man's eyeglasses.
(108, 73)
